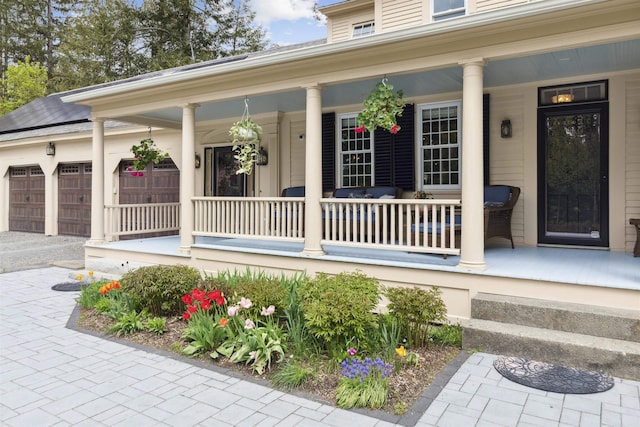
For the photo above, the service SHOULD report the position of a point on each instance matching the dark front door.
(573, 197)
(221, 176)
(74, 199)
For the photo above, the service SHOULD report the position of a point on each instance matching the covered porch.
(583, 276)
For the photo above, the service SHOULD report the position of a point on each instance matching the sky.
(290, 21)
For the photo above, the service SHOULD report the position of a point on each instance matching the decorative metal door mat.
(554, 378)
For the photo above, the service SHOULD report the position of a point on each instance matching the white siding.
(342, 26)
(485, 5)
(632, 181)
(507, 155)
(297, 158)
(398, 14)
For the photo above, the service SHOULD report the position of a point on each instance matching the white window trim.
(339, 152)
(442, 16)
(419, 150)
(371, 24)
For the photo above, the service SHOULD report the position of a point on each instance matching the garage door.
(26, 199)
(74, 199)
(159, 184)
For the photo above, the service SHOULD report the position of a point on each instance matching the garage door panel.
(26, 199)
(74, 199)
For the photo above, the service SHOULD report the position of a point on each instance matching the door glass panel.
(572, 188)
(227, 182)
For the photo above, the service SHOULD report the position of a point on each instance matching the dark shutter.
(328, 151)
(486, 121)
(395, 154)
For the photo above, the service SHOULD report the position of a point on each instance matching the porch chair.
(499, 201)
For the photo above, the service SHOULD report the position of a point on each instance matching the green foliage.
(292, 375)
(128, 324)
(257, 346)
(245, 137)
(390, 335)
(156, 325)
(159, 288)
(416, 310)
(339, 308)
(448, 335)
(22, 84)
(381, 108)
(146, 152)
(90, 295)
(302, 342)
(203, 333)
(363, 384)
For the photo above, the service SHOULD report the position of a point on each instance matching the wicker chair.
(499, 201)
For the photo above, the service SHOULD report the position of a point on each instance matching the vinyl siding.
(632, 181)
(341, 27)
(485, 5)
(507, 155)
(297, 153)
(398, 14)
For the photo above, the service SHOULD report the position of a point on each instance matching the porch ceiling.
(606, 58)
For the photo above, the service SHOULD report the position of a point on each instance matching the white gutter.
(431, 29)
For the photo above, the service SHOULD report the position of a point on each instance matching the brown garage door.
(160, 184)
(74, 199)
(26, 199)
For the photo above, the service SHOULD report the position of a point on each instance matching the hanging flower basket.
(144, 153)
(381, 109)
(245, 137)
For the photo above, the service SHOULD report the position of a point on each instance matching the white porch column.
(97, 182)
(313, 173)
(187, 176)
(472, 243)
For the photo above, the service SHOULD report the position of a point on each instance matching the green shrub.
(447, 334)
(263, 290)
(156, 325)
(416, 311)
(159, 288)
(339, 309)
(128, 324)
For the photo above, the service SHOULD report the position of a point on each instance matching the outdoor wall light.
(262, 158)
(50, 149)
(505, 129)
(197, 161)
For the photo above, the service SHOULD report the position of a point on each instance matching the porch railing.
(268, 218)
(142, 218)
(429, 226)
(426, 225)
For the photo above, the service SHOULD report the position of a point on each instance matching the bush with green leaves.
(156, 325)
(128, 323)
(293, 375)
(339, 309)
(263, 290)
(159, 288)
(416, 309)
(447, 335)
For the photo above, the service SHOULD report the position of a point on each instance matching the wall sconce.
(505, 129)
(50, 149)
(197, 161)
(262, 158)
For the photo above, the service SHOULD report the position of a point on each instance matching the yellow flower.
(79, 276)
(400, 351)
(90, 273)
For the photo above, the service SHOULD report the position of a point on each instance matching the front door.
(221, 176)
(573, 197)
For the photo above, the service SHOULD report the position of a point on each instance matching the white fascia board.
(431, 29)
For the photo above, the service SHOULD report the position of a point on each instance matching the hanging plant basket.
(144, 153)
(381, 109)
(245, 137)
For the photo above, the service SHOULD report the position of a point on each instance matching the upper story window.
(364, 29)
(445, 9)
(440, 133)
(355, 151)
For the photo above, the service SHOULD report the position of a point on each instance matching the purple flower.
(351, 351)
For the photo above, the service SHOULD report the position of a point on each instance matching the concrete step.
(560, 316)
(612, 356)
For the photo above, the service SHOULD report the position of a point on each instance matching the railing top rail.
(246, 199)
(393, 201)
(134, 205)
